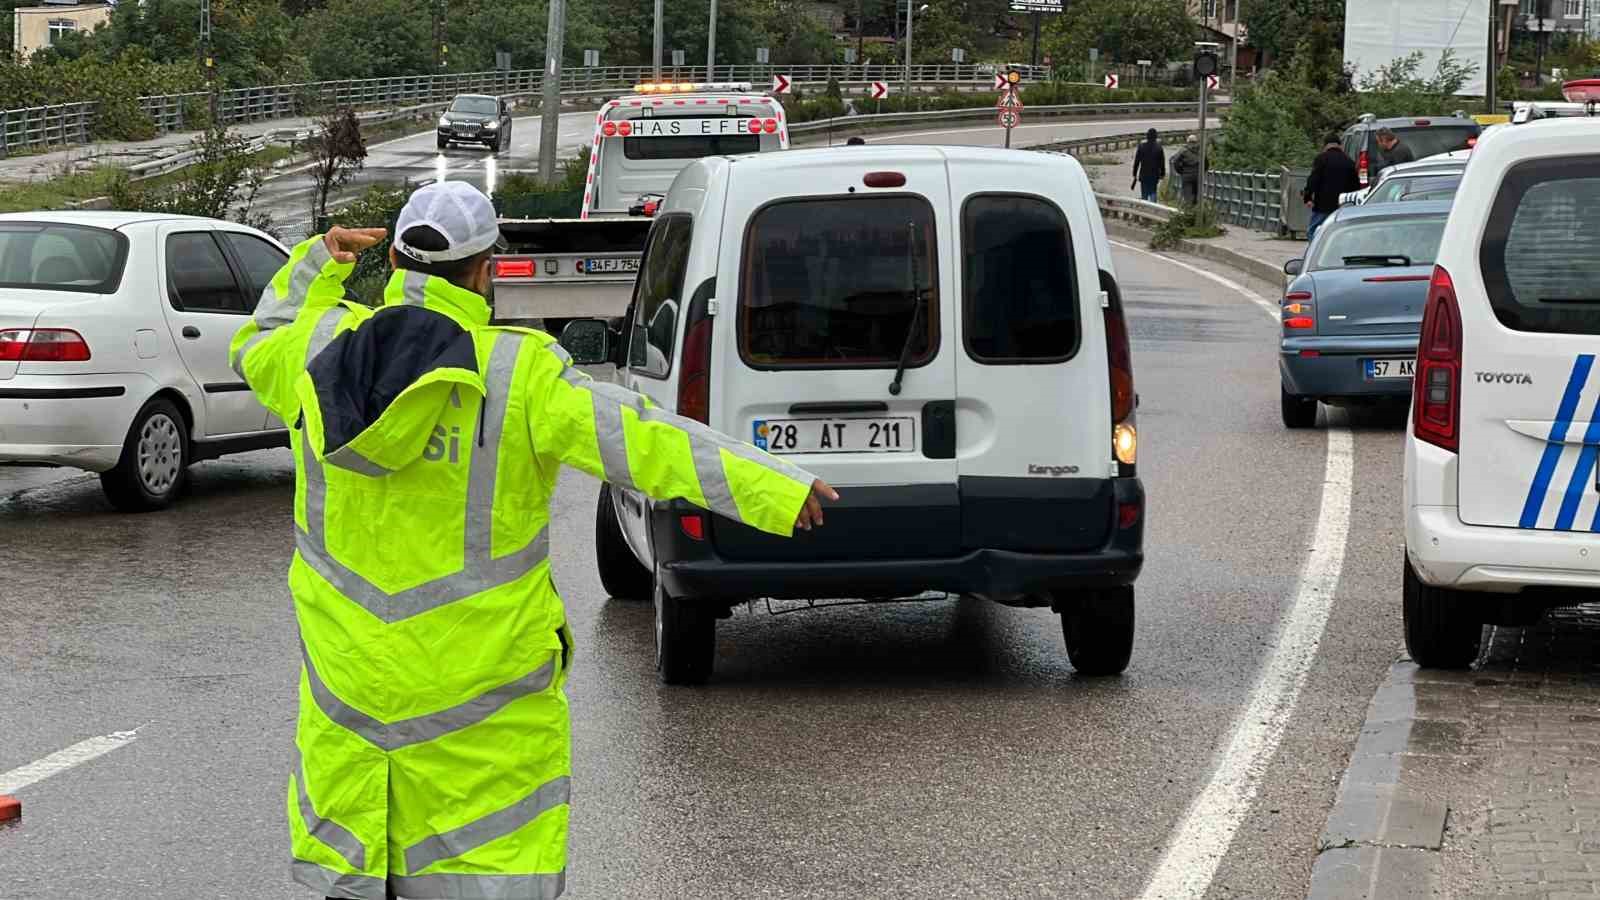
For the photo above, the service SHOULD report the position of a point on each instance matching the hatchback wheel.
(1298, 412)
(154, 462)
(686, 639)
(1098, 628)
(1443, 627)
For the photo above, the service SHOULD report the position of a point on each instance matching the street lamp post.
(659, 35)
(711, 45)
(550, 113)
(910, 5)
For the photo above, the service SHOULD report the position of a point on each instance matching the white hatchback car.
(1502, 496)
(114, 334)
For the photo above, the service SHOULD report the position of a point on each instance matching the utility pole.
(206, 59)
(440, 50)
(550, 113)
(1493, 58)
(711, 44)
(1233, 62)
(910, 5)
(1035, 60)
(1205, 96)
(660, 36)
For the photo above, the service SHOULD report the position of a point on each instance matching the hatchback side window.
(260, 261)
(198, 276)
(659, 296)
(1019, 291)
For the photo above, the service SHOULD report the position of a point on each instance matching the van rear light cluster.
(42, 345)
(694, 384)
(1436, 388)
(1119, 365)
(1361, 167)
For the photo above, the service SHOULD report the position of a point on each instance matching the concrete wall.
(30, 25)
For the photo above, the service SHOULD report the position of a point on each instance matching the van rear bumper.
(691, 568)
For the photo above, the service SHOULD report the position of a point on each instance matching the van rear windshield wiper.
(916, 313)
(1377, 259)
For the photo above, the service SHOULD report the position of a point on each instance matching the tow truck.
(556, 270)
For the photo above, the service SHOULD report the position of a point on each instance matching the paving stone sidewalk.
(1507, 754)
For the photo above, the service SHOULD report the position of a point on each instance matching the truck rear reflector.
(513, 268)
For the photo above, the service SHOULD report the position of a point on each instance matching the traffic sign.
(677, 57)
(780, 84)
(1000, 82)
(1213, 82)
(1111, 80)
(1008, 118)
(1009, 100)
(880, 90)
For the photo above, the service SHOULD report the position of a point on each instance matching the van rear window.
(1020, 295)
(828, 283)
(1541, 247)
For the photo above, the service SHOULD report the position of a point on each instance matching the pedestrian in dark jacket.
(1394, 152)
(1333, 173)
(1149, 166)
(1186, 165)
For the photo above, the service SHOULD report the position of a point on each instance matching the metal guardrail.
(69, 123)
(1111, 142)
(1249, 199)
(1183, 108)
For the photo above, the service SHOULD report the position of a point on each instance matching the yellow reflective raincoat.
(433, 742)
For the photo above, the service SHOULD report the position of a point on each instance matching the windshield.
(52, 257)
(827, 283)
(1428, 140)
(476, 106)
(1401, 241)
(1402, 187)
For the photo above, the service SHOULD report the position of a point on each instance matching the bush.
(1196, 221)
(221, 183)
(116, 85)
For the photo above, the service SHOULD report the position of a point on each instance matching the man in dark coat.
(1394, 152)
(1186, 165)
(1149, 166)
(1333, 173)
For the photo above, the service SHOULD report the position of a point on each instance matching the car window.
(1407, 187)
(475, 106)
(1427, 140)
(690, 146)
(198, 277)
(1019, 302)
(827, 283)
(1409, 240)
(51, 257)
(260, 260)
(658, 295)
(1541, 247)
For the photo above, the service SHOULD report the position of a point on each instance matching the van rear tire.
(686, 639)
(1444, 628)
(621, 574)
(1098, 628)
(1298, 412)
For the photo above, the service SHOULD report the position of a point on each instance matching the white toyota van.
(937, 332)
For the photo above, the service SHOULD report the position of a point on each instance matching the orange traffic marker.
(10, 808)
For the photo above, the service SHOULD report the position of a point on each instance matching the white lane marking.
(1197, 846)
(1064, 124)
(1269, 307)
(62, 760)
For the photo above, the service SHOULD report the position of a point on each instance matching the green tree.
(1277, 27)
(1122, 30)
(980, 27)
(367, 39)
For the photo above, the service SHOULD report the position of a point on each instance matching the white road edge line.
(62, 760)
(1200, 842)
(1269, 307)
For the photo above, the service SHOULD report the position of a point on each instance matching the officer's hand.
(811, 513)
(344, 243)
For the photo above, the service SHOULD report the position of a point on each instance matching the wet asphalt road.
(935, 749)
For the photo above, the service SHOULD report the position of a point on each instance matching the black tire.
(1298, 412)
(1098, 628)
(1443, 627)
(621, 573)
(155, 460)
(686, 639)
(444, 142)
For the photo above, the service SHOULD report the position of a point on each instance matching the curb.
(1382, 838)
(1255, 268)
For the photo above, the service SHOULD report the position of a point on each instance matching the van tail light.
(1436, 388)
(1119, 364)
(42, 345)
(694, 382)
(1361, 167)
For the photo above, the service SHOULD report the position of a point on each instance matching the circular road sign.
(1014, 76)
(1008, 119)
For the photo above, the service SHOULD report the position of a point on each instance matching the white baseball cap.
(456, 210)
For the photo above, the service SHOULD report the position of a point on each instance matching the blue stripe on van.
(1558, 435)
(1582, 474)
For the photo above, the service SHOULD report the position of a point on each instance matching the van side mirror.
(588, 340)
(1292, 267)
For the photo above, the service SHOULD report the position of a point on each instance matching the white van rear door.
(1530, 393)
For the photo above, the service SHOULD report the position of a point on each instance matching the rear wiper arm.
(916, 314)
(1382, 259)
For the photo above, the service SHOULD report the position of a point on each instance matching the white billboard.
(1377, 32)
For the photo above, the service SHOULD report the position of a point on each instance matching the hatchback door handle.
(189, 331)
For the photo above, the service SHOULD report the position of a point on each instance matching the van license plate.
(888, 435)
(1391, 368)
(603, 266)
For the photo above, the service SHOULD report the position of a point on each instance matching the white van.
(937, 331)
(1502, 497)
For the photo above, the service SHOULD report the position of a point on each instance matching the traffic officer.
(432, 753)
